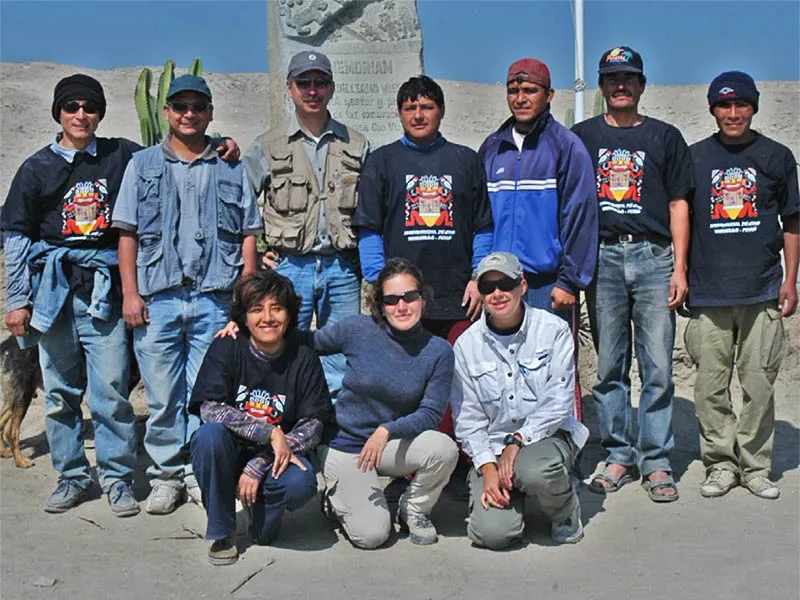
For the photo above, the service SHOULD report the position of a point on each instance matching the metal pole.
(580, 84)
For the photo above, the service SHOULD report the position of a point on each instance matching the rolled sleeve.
(256, 167)
(253, 224)
(126, 207)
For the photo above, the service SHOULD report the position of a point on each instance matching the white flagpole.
(580, 84)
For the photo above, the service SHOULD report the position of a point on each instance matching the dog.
(20, 377)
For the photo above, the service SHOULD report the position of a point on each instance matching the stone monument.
(374, 46)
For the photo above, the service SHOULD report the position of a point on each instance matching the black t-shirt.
(282, 390)
(427, 206)
(638, 171)
(736, 234)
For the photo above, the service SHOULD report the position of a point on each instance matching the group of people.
(475, 263)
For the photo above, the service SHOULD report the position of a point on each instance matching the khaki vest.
(291, 207)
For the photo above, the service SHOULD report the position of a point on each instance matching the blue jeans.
(219, 457)
(74, 335)
(170, 349)
(538, 295)
(632, 284)
(330, 288)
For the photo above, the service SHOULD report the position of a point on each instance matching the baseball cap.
(529, 69)
(188, 83)
(504, 262)
(621, 58)
(309, 60)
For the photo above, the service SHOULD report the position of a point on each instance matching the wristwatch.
(512, 439)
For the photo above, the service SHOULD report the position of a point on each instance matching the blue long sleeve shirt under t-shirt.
(406, 390)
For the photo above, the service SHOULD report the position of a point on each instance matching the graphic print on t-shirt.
(85, 212)
(733, 200)
(261, 404)
(620, 174)
(429, 208)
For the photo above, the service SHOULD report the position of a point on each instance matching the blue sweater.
(400, 380)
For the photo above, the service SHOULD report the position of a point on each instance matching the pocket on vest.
(289, 194)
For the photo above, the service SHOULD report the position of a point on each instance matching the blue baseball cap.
(188, 83)
(309, 60)
(621, 58)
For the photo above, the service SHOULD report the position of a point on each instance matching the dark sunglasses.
(306, 83)
(504, 284)
(72, 107)
(408, 297)
(182, 107)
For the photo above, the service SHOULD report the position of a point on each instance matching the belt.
(626, 238)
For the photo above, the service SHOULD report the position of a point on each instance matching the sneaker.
(420, 529)
(121, 500)
(718, 483)
(326, 507)
(192, 491)
(164, 498)
(68, 494)
(570, 530)
(223, 552)
(763, 488)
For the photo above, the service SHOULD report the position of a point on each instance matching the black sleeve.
(482, 207)
(217, 375)
(19, 212)
(679, 174)
(371, 208)
(312, 389)
(788, 196)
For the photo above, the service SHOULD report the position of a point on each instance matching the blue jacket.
(544, 202)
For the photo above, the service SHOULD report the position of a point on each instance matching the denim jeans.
(538, 295)
(219, 457)
(170, 349)
(74, 335)
(330, 288)
(632, 285)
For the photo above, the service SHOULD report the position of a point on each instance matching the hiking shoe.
(164, 498)
(570, 530)
(223, 552)
(420, 529)
(192, 491)
(68, 494)
(718, 483)
(326, 507)
(763, 488)
(121, 500)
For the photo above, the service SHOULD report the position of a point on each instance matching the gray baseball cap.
(504, 262)
(309, 60)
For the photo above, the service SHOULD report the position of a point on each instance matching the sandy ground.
(737, 546)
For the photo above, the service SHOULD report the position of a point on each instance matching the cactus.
(152, 124)
(569, 118)
(599, 105)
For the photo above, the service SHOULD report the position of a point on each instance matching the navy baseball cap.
(309, 60)
(188, 83)
(621, 58)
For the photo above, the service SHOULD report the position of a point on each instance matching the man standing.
(62, 284)
(308, 171)
(515, 413)
(188, 224)
(541, 185)
(643, 177)
(424, 198)
(746, 208)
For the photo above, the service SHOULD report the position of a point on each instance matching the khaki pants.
(751, 336)
(357, 497)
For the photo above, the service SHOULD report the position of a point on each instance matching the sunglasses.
(72, 107)
(307, 82)
(408, 297)
(504, 284)
(182, 107)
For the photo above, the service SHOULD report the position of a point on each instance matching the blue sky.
(682, 41)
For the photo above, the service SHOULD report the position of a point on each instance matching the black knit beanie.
(78, 87)
(733, 85)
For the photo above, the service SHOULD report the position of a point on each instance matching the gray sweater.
(397, 379)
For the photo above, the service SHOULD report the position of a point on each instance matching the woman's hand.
(493, 493)
(230, 330)
(283, 453)
(371, 453)
(248, 489)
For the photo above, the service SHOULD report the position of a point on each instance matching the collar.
(434, 145)
(69, 154)
(208, 154)
(520, 335)
(333, 127)
(504, 131)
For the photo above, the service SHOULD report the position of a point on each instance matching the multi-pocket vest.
(291, 207)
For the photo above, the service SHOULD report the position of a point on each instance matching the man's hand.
(134, 311)
(228, 150)
(17, 321)
(505, 466)
(562, 299)
(270, 259)
(471, 301)
(247, 490)
(230, 330)
(371, 453)
(493, 494)
(787, 299)
(677, 289)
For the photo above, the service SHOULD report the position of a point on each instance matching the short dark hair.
(252, 289)
(640, 76)
(394, 266)
(422, 85)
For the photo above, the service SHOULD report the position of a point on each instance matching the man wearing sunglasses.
(188, 224)
(307, 170)
(513, 402)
